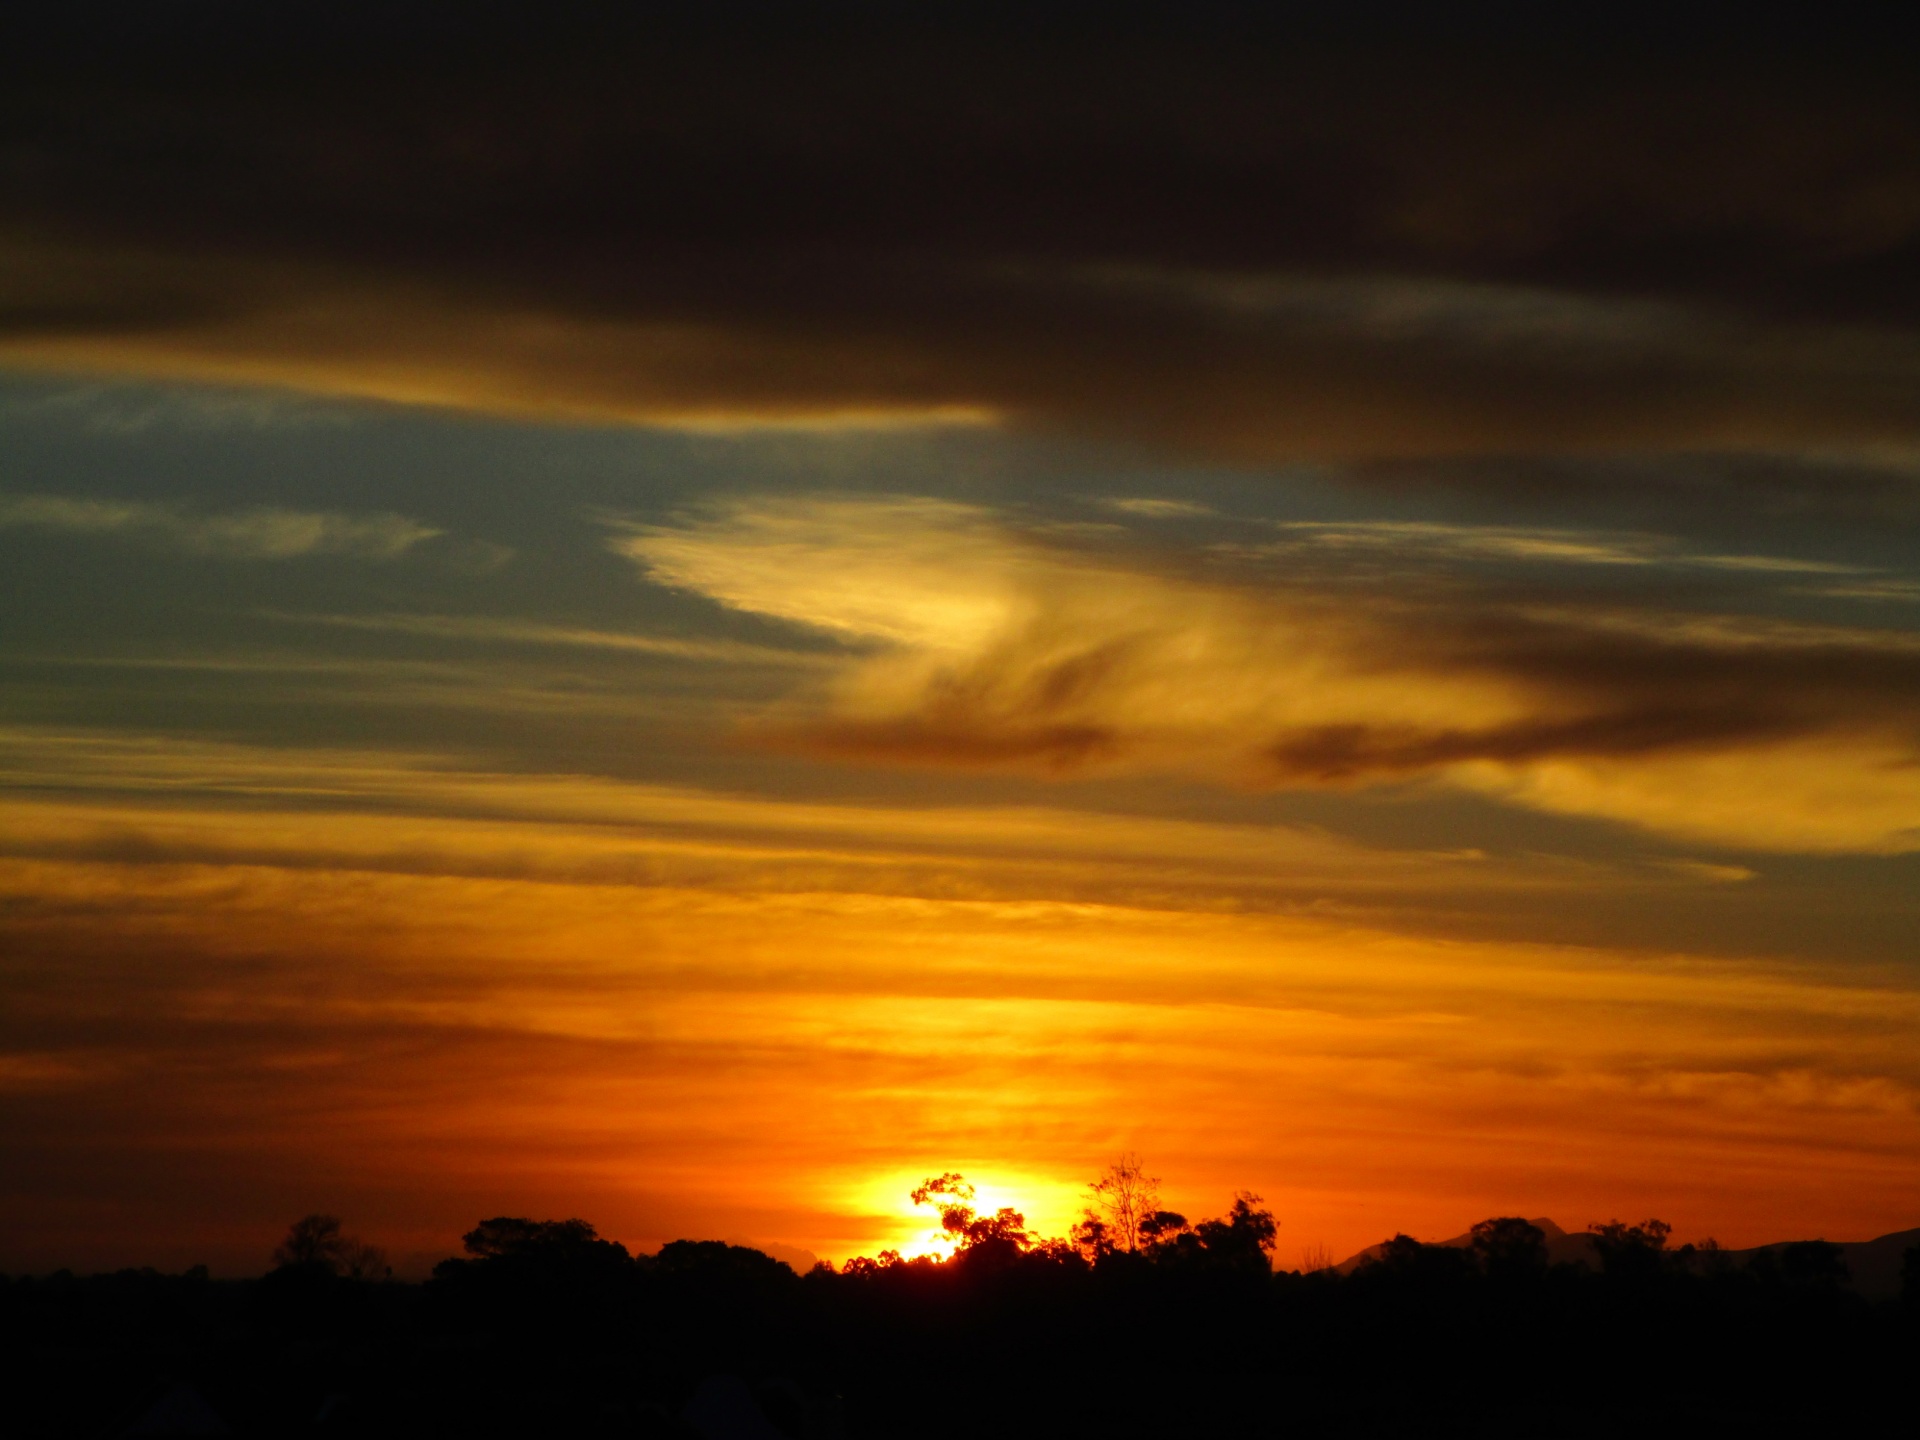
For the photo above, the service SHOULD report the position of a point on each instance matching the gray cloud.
(1246, 238)
(264, 533)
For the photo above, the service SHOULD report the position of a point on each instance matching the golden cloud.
(977, 644)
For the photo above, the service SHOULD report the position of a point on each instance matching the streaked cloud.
(388, 811)
(1117, 365)
(129, 411)
(1159, 508)
(1889, 591)
(1533, 545)
(657, 1041)
(262, 533)
(498, 630)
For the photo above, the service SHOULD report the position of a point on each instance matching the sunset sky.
(689, 616)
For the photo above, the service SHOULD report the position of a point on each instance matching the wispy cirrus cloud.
(261, 533)
(128, 411)
(1532, 544)
(486, 629)
(1154, 507)
(982, 644)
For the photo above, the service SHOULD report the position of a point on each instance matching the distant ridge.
(1563, 1248)
(1872, 1265)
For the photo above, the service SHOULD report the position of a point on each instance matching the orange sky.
(634, 624)
(689, 1014)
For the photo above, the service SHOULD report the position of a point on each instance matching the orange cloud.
(733, 1029)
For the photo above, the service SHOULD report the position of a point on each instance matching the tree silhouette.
(1406, 1262)
(951, 1194)
(1244, 1236)
(312, 1240)
(1163, 1227)
(510, 1235)
(548, 1283)
(1126, 1197)
(1239, 1240)
(546, 1328)
(1804, 1264)
(1630, 1249)
(316, 1242)
(1000, 1235)
(550, 1252)
(1091, 1237)
(1510, 1248)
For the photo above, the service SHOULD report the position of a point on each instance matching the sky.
(690, 616)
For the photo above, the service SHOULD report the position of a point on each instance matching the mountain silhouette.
(1563, 1248)
(1873, 1266)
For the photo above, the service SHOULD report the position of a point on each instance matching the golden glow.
(732, 1017)
(1050, 1206)
(547, 691)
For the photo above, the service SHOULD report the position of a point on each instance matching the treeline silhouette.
(1137, 1324)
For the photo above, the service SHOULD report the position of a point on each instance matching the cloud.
(263, 533)
(1814, 794)
(978, 644)
(1049, 354)
(193, 1047)
(1242, 237)
(835, 566)
(1360, 751)
(1888, 591)
(127, 410)
(504, 630)
(1153, 508)
(387, 812)
(1520, 543)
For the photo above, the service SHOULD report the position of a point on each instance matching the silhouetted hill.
(1563, 1248)
(1873, 1266)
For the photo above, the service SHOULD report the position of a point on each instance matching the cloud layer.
(1248, 238)
(983, 644)
(243, 980)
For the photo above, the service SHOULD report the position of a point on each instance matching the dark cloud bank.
(1386, 235)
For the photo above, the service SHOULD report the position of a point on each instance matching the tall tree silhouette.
(1125, 1197)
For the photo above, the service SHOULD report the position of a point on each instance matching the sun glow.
(911, 1231)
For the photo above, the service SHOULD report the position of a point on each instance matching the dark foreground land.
(549, 1332)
